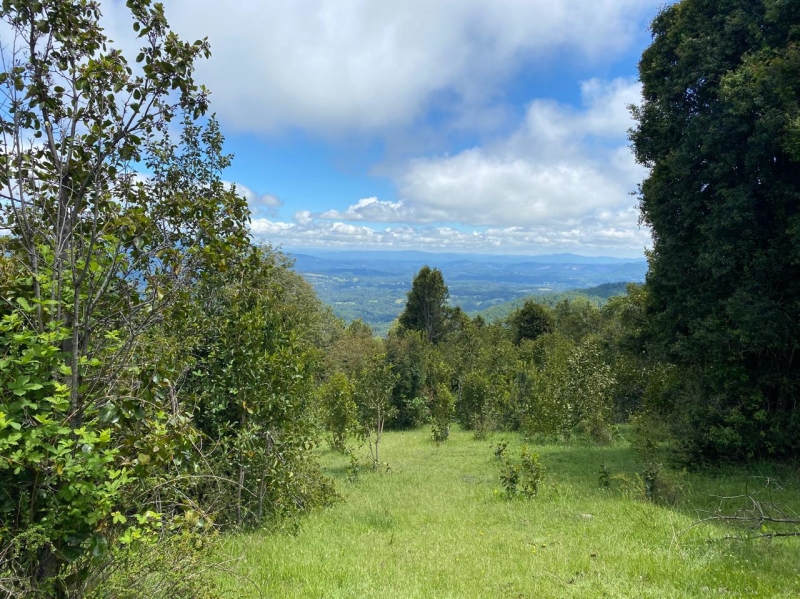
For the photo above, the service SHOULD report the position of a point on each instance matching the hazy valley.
(373, 285)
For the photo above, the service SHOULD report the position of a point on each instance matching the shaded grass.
(438, 525)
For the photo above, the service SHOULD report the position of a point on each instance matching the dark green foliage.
(569, 390)
(624, 344)
(556, 384)
(407, 352)
(531, 321)
(353, 467)
(426, 308)
(577, 318)
(251, 381)
(719, 130)
(179, 566)
(353, 349)
(597, 295)
(509, 478)
(604, 477)
(154, 367)
(501, 450)
(98, 257)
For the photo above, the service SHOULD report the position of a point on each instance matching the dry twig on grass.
(762, 517)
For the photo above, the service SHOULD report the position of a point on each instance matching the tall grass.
(438, 524)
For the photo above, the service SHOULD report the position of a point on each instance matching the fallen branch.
(756, 514)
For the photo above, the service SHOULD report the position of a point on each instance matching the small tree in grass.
(442, 410)
(373, 396)
(474, 409)
(340, 410)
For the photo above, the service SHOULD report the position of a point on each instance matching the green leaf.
(24, 303)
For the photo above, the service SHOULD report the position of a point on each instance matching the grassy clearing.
(438, 525)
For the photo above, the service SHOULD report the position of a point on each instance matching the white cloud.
(332, 67)
(590, 236)
(260, 205)
(561, 167)
(303, 217)
(328, 66)
(270, 201)
(378, 211)
(561, 181)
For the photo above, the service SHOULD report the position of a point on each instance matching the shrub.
(523, 477)
(474, 409)
(501, 450)
(442, 410)
(174, 565)
(340, 412)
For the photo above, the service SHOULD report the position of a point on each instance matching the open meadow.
(438, 524)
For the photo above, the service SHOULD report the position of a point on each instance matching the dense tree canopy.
(531, 321)
(426, 308)
(719, 129)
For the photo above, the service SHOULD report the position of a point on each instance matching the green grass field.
(438, 525)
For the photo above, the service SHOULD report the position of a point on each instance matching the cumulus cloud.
(337, 67)
(270, 201)
(378, 211)
(592, 236)
(260, 205)
(561, 167)
(328, 66)
(561, 181)
(303, 217)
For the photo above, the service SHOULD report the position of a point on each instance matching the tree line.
(575, 369)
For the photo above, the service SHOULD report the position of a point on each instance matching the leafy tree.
(426, 308)
(474, 408)
(531, 321)
(340, 411)
(442, 411)
(587, 392)
(408, 353)
(251, 383)
(546, 409)
(569, 388)
(98, 254)
(353, 349)
(577, 318)
(624, 343)
(373, 395)
(719, 128)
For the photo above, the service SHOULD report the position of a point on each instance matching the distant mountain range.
(438, 259)
(373, 285)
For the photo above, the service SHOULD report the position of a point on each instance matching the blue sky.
(442, 125)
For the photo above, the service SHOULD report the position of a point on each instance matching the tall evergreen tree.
(426, 308)
(719, 129)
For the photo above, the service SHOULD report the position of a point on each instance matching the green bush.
(442, 410)
(474, 409)
(340, 412)
(522, 478)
